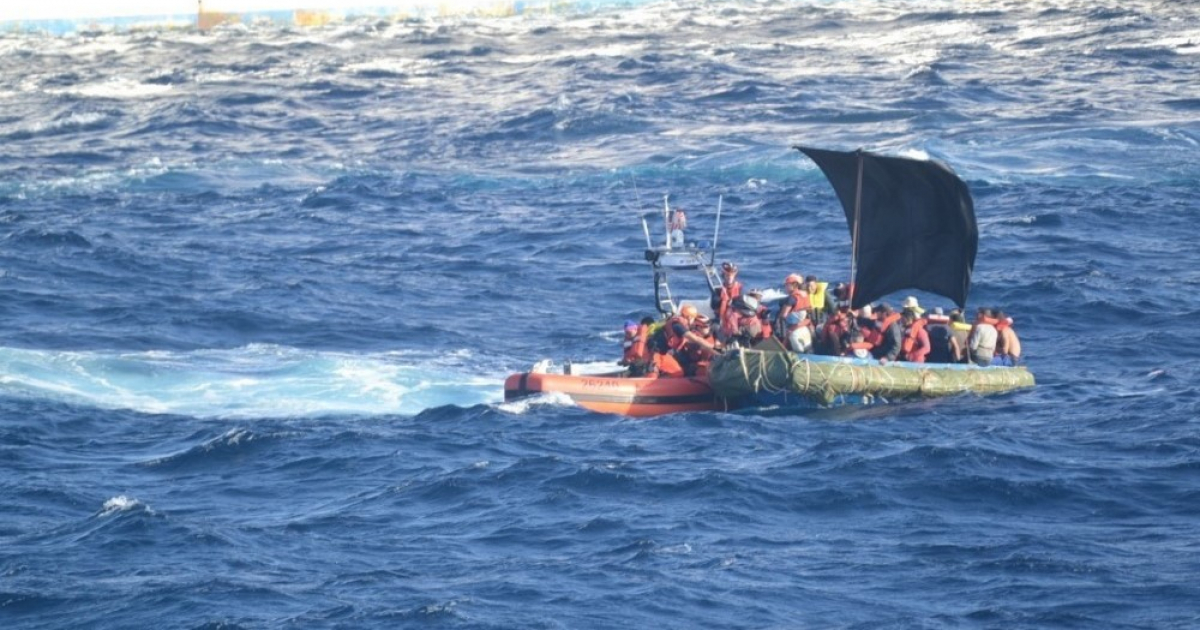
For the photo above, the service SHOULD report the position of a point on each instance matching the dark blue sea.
(260, 287)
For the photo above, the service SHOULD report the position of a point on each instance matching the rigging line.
(637, 197)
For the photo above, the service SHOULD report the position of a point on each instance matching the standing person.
(891, 331)
(745, 326)
(960, 332)
(1008, 345)
(676, 226)
(982, 341)
(916, 340)
(730, 289)
(637, 348)
(820, 304)
(631, 331)
(764, 315)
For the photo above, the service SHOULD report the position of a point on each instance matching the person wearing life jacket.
(743, 325)
(891, 334)
(631, 331)
(679, 334)
(729, 290)
(910, 303)
(960, 332)
(676, 226)
(835, 333)
(797, 299)
(937, 326)
(858, 347)
(665, 365)
(864, 321)
(799, 332)
(1008, 345)
(699, 357)
(820, 306)
(764, 315)
(637, 355)
(981, 343)
(915, 346)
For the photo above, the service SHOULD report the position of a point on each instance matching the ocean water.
(260, 287)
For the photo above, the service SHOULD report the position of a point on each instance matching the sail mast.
(857, 222)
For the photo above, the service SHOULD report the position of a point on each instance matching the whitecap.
(120, 503)
(115, 88)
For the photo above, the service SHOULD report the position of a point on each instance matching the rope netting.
(743, 372)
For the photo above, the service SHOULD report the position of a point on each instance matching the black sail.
(916, 223)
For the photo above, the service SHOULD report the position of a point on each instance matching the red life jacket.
(872, 335)
(728, 293)
(831, 335)
(695, 352)
(751, 326)
(729, 324)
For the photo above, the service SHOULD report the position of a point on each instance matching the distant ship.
(56, 19)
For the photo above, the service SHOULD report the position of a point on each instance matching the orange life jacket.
(887, 322)
(674, 340)
(799, 300)
(630, 356)
(695, 352)
(638, 352)
(853, 347)
(667, 365)
(728, 293)
(875, 335)
(911, 335)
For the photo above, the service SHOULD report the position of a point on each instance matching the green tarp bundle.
(740, 373)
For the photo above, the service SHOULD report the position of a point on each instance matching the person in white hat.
(910, 303)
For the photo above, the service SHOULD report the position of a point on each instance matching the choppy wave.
(261, 287)
(251, 382)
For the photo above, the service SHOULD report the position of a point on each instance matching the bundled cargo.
(745, 373)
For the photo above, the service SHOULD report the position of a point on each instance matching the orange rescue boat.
(620, 394)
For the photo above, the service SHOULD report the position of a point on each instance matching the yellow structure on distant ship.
(61, 17)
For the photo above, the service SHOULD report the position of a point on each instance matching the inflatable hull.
(641, 397)
(829, 381)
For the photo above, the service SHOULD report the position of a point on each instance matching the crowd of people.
(814, 318)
